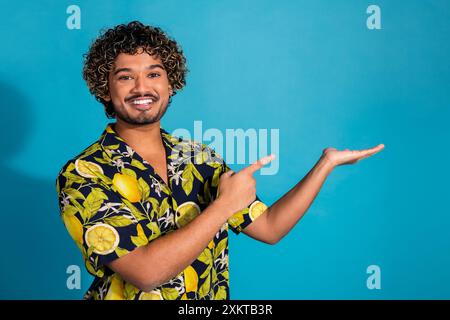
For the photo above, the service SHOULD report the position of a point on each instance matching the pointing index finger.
(259, 164)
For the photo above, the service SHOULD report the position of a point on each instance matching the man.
(149, 211)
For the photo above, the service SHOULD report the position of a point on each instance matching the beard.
(143, 117)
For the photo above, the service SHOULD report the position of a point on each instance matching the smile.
(142, 104)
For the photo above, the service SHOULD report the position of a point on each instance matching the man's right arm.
(151, 265)
(163, 258)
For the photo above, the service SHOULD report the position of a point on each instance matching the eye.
(124, 77)
(154, 75)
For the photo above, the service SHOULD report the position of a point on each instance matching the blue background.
(311, 69)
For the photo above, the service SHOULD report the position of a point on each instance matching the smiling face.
(139, 88)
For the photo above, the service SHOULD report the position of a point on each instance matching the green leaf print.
(134, 211)
(206, 272)
(215, 164)
(89, 252)
(199, 159)
(188, 180)
(80, 209)
(121, 252)
(93, 202)
(70, 210)
(155, 204)
(197, 174)
(118, 221)
(138, 164)
(141, 238)
(153, 226)
(70, 167)
(163, 208)
(216, 177)
(206, 286)
(221, 293)
(112, 147)
(225, 275)
(174, 155)
(103, 161)
(174, 204)
(169, 293)
(74, 178)
(74, 193)
(92, 149)
(214, 275)
(220, 247)
(206, 257)
(130, 291)
(107, 181)
(207, 193)
(144, 188)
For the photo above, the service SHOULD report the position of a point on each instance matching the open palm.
(340, 157)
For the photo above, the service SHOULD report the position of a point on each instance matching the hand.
(337, 158)
(238, 190)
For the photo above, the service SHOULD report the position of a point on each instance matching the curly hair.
(129, 38)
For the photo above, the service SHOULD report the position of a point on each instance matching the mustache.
(149, 95)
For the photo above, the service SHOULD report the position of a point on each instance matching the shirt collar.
(115, 147)
(110, 138)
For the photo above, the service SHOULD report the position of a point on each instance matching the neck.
(144, 138)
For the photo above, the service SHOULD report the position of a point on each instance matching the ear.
(106, 98)
(170, 91)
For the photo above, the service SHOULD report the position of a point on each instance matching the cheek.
(163, 87)
(118, 92)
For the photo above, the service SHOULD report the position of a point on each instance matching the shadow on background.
(35, 251)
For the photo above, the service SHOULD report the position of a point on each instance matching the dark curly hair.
(129, 38)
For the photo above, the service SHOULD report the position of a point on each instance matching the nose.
(139, 85)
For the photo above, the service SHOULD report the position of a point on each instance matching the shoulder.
(79, 166)
(186, 147)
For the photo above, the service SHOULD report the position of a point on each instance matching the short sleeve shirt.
(112, 201)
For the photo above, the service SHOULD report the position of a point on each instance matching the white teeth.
(142, 101)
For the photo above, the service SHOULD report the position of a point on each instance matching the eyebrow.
(150, 67)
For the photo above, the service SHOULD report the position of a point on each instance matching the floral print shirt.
(112, 202)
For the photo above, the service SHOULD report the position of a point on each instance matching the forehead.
(136, 61)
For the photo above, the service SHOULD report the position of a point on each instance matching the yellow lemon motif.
(236, 219)
(256, 209)
(127, 186)
(115, 291)
(87, 169)
(190, 279)
(74, 227)
(186, 213)
(152, 295)
(103, 237)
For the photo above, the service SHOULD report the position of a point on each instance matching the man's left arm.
(282, 216)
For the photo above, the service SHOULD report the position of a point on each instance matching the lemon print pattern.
(115, 291)
(257, 208)
(74, 227)
(127, 186)
(87, 169)
(190, 279)
(112, 201)
(185, 213)
(103, 238)
(152, 295)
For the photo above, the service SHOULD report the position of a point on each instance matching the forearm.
(167, 256)
(289, 209)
